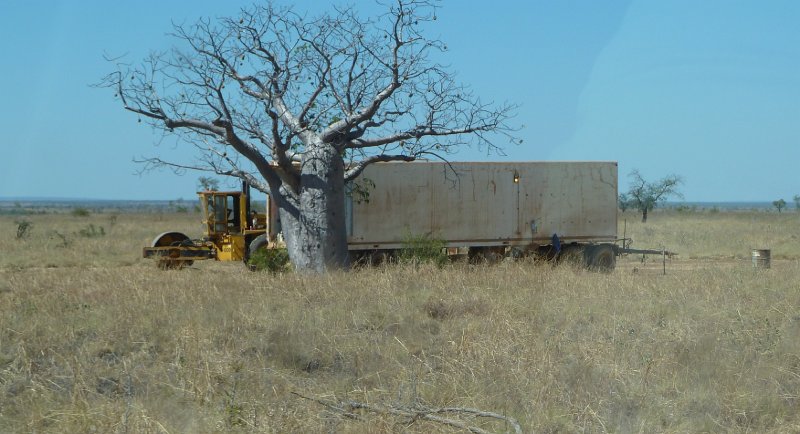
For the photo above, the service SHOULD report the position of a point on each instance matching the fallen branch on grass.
(335, 407)
(417, 413)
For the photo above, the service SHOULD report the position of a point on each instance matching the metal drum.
(761, 258)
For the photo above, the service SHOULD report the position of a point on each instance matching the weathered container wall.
(485, 204)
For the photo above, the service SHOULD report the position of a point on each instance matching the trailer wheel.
(486, 255)
(601, 257)
(364, 258)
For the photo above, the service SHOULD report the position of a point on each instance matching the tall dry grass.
(56, 240)
(109, 343)
(716, 234)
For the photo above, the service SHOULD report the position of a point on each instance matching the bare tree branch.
(355, 170)
(418, 412)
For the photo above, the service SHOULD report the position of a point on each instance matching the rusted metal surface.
(486, 204)
(180, 252)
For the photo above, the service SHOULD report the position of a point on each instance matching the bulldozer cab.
(223, 212)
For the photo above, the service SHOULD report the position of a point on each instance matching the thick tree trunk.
(313, 225)
(644, 215)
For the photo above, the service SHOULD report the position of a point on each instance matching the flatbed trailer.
(488, 208)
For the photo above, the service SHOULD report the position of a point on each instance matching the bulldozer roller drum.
(168, 239)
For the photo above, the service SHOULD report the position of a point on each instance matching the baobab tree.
(298, 106)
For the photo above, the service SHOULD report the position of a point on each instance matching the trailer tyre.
(486, 255)
(601, 257)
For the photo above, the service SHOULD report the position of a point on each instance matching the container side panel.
(397, 206)
(576, 200)
(488, 203)
(474, 202)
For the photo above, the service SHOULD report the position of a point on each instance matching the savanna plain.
(94, 339)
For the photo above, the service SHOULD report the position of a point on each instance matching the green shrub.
(92, 231)
(80, 212)
(423, 248)
(272, 260)
(23, 228)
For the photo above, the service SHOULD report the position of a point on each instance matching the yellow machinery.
(232, 232)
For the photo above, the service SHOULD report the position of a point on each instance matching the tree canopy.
(779, 205)
(645, 196)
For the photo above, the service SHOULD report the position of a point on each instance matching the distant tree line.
(780, 204)
(645, 196)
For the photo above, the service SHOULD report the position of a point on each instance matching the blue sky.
(709, 90)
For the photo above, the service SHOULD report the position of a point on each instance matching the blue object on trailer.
(556, 243)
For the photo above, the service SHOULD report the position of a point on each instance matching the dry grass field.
(94, 339)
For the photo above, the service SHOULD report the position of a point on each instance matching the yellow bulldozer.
(233, 231)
